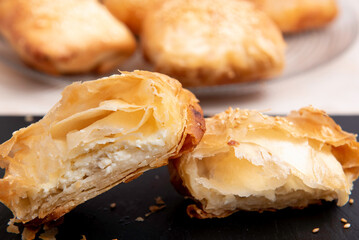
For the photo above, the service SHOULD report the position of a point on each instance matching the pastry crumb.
(83, 237)
(159, 201)
(351, 201)
(113, 205)
(343, 220)
(29, 233)
(347, 225)
(154, 208)
(49, 234)
(315, 230)
(139, 219)
(13, 229)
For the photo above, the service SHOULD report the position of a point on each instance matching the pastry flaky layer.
(65, 36)
(250, 161)
(201, 42)
(99, 134)
(293, 16)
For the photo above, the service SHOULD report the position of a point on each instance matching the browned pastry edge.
(195, 129)
(196, 212)
(54, 219)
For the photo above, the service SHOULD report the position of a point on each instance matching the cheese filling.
(267, 165)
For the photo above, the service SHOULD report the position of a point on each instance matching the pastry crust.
(101, 133)
(202, 42)
(65, 36)
(293, 16)
(250, 161)
(132, 12)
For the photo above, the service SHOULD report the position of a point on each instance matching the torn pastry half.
(101, 133)
(206, 43)
(249, 161)
(65, 36)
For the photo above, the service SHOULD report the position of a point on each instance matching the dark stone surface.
(96, 220)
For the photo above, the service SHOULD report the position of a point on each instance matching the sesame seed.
(315, 230)
(351, 201)
(29, 118)
(343, 220)
(347, 225)
(139, 219)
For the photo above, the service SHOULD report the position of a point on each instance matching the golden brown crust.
(209, 174)
(299, 15)
(101, 133)
(195, 129)
(204, 42)
(64, 36)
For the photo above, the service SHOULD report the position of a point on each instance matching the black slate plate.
(96, 220)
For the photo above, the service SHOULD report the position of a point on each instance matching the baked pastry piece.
(99, 134)
(201, 42)
(65, 36)
(249, 161)
(132, 12)
(298, 15)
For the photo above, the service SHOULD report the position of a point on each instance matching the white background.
(333, 87)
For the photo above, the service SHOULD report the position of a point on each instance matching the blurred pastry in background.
(201, 42)
(65, 36)
(250, 161)
(298, 15)
(132, 12)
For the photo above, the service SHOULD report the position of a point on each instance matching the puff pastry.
(202, 42)
(132, 12)
(250, 161)
(298, 15)
(65, 36)
(99, 134)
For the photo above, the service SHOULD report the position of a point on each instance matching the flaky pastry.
(65, 36)
(250, 161)
(201, 42)
(99, 134)
(298, 15)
